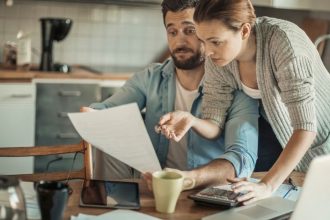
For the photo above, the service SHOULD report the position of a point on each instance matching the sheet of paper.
(116, 215)
(119, 132)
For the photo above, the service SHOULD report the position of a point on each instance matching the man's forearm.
(214, 173)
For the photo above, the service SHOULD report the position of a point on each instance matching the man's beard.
(195, 61)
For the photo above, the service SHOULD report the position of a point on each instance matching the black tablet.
(110, 194)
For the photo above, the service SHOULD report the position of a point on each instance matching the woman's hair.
(176, 5)
(233, 13)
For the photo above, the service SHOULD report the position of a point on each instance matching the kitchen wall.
(295, 16)
(111, 37)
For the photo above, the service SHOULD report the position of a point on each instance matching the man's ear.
(245, 31)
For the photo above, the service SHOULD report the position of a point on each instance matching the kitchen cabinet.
(55, 99)
(316, 5)
(17, 120)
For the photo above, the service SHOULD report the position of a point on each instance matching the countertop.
(77, 73)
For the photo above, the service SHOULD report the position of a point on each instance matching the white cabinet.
(317, 5)
(17, 122)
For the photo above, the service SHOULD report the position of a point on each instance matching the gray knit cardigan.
(294, 85)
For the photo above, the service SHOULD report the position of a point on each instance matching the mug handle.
(188, 183)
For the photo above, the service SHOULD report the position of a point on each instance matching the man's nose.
(181, 35)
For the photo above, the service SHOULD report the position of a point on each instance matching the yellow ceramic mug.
(167, 186)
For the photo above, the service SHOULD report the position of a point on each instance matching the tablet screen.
(110, 194)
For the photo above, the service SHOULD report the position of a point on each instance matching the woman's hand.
(251, 191)
(175, 125)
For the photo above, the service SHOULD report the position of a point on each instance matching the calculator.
(216, 196)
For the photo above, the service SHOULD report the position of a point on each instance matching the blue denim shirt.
(154, 89)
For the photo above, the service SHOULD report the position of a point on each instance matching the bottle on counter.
(24, 51)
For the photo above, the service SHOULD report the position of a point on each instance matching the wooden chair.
(83, 147)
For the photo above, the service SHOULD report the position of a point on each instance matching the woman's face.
(222, 44)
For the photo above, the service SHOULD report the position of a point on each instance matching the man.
(177, 85)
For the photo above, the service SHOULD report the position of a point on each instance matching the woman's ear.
(245, 31)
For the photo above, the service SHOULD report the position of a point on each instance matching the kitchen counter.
(77, 73)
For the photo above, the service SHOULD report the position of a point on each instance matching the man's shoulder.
(157, 70)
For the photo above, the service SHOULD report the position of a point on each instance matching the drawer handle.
(67, 136)
(21, 95)
(69, 93)
(62, 114)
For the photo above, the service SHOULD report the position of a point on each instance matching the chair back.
(83, 147)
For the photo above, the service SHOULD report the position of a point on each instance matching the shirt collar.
(169, 70)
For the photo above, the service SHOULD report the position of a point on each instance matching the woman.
(271, 60)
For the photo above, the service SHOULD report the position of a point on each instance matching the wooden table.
(185, 209)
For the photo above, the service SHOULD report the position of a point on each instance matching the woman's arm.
(217, 98)
(296, 148)
(294, 151)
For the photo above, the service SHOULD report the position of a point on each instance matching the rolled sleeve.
(241, 135)
(243, 168)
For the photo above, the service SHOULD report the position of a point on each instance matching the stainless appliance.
(53, 29)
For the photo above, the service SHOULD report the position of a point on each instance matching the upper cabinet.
(316, 5)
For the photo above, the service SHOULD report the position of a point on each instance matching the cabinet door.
(53, 127)
(17, 116)
(54, 101)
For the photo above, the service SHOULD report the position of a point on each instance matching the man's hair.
(177, 5)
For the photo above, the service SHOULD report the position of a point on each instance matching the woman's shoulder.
(279, 27)
(266, 23)
(282, 35)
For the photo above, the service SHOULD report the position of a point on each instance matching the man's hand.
(86, 109)
(148, 178)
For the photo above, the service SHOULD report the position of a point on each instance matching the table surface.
(185, 209)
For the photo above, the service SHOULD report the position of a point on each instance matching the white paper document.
(116, 215)
(285, 191)
(119, 132)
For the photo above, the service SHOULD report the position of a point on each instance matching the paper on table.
(284, 190)
(119, 132)
(116, 215)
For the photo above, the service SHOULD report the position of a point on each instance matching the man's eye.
(172, 33)
(190, 31)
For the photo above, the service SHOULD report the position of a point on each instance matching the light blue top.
(154, 89)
